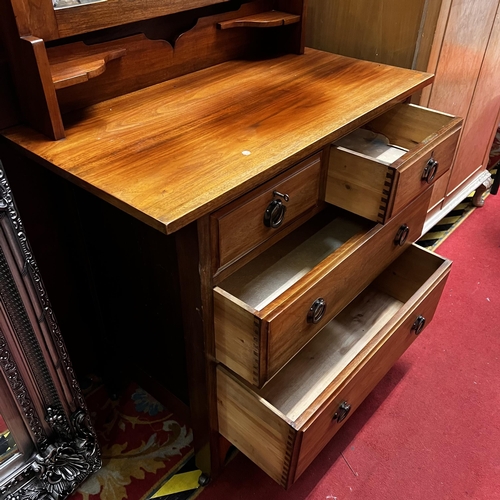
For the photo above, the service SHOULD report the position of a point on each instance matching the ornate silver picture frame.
(47, 444)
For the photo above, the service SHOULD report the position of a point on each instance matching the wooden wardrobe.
(458, 40)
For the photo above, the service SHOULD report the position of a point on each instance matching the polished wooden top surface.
(176, 151)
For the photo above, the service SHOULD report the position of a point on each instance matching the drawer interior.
(389, 136)
(266, 277)
(316, 367)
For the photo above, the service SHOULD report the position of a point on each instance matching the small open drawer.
(269, 309)
(378, 169)
(284, 426)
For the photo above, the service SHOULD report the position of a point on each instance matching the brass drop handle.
(419, 325)
(342, 412)
(316, 311)
(430, 170)
(275, 211)
(402, 235)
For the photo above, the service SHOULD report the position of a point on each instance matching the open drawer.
(283, 426)
(378, 169)
(269, 309)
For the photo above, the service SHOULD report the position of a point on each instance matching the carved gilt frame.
(57, 445)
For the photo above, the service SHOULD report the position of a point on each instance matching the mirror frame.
(58, 446)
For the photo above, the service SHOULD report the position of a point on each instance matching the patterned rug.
(142, 445)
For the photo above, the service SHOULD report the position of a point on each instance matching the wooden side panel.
(35, 17)
(468, 26)
(428, 30)
(255, 427)
(435, 51)
(9, 107)
(439, 189)
(236, 336)
(368, 373)
(358, 183)
(31, 75)
(37, 94)
(482, 120)
(295, 42)
(390, 29)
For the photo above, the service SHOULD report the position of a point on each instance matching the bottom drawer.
(284, 425)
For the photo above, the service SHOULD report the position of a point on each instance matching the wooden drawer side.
(237, 347)
(357, 184)
(256, 428)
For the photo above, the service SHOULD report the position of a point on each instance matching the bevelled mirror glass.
(47, 444)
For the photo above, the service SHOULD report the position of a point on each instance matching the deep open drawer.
(283, 426)
(269, 309)
(378, 169)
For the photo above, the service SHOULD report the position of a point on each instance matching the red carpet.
(431, 429)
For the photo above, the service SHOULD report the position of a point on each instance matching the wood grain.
(367, 374)
(391, 29)
(283, 326)
(97, 16)
(350, 357)
(269, 19)
(358, 183)
(378, 191)
(439, 190)
(482, 119)
(338, 280)
(239, 227)
(67, 72)
(35, 91)
(35, 17)
(158, 153)
(38, 98)
(238, 349)
(468, 27)
(201, 46)
(254, 427)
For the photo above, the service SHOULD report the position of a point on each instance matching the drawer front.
(377, 190)
(257, 217)
(288, 325)
(257, 344)
(366, 376)
(409, 177)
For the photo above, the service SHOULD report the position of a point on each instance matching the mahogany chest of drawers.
(307, 327)
(291, 189)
